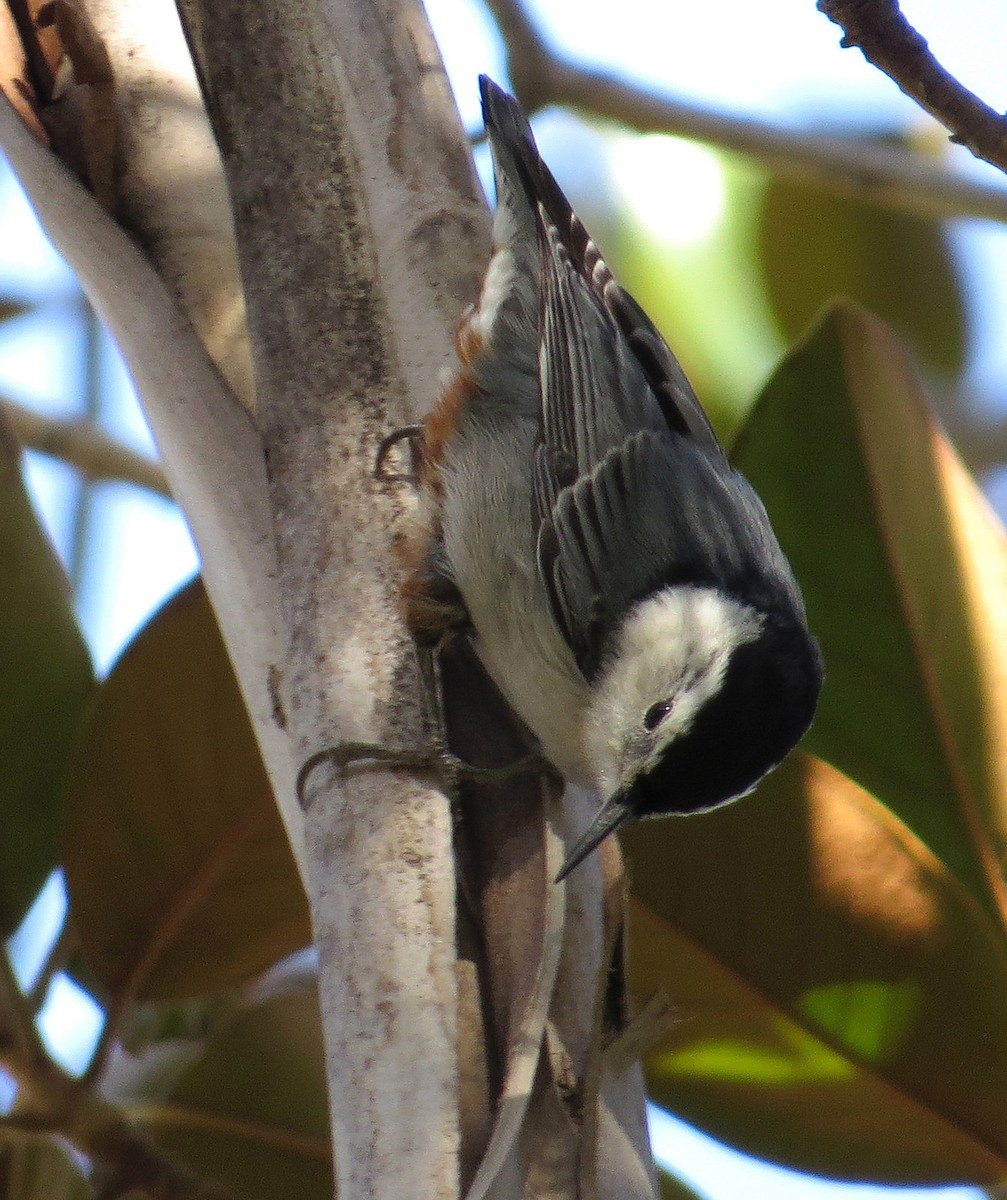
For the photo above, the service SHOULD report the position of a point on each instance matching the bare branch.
(123, 1159)
(882, 33)
(886, 175)
(51, 1101)
(84, 446)
(360, 231)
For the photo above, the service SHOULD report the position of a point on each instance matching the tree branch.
(360, 232)
(85, 447)
(882, 33)
(173, 205)
(895, 178)
(51, 1101)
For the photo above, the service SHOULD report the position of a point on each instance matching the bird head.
(700, 697)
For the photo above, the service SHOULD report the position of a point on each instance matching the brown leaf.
(180, 875)
(840, 998)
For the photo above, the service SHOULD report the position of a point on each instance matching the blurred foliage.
(246, 1106)
(837, 959)
(32, 1169)
(910, 599)
(707, 298)
(46, 680)
(168, 797)
(730, 302)
(814, 245)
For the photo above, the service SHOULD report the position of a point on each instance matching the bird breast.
(489, 543)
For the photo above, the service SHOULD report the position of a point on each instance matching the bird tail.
(526, 188)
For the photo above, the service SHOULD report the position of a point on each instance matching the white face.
(670, 658)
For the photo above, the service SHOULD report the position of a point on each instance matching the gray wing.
(656, 511)
(604, 370)
(593, 392)
(631, 490)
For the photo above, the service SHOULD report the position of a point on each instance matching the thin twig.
(882, 33)
(49, 1101)
(56, 960)
(20, 1044)
(124, 1159)
(85, 447)
(849, 166)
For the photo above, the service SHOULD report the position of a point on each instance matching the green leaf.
(837, 959)
(37, 1169)
(705, 296)
(815, 245)
(904, 571)
(839, 999)
(251, 1110)
(45, 681)
(180, 876)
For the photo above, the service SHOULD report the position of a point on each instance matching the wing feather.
(631, 489)
(655, 512)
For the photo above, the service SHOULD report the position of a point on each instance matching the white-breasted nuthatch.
(622, 582)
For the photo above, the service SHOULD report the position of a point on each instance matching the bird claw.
(449, 766)
(525, 765)
(346, 754)
(413, 434)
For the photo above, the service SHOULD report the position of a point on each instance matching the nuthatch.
(621, 581)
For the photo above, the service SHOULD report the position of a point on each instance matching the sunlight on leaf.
(893, 1070)
(793, 1056)
(904, 571)
(706, 299)
(871, 1018)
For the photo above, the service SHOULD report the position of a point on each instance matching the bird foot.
(443, 763)
(414, 435)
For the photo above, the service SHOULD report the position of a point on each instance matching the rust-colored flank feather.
(431, 604)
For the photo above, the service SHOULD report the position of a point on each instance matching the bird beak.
(614, 813)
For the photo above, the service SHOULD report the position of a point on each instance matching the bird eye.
(656, 714)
